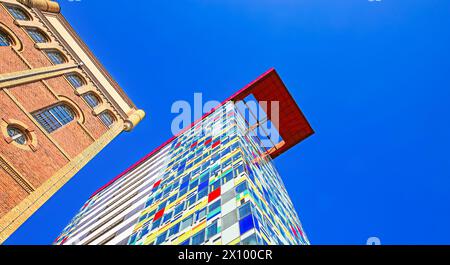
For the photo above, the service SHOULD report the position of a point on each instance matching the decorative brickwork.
(31, 81)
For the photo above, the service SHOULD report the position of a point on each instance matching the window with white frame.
(17, 135)
(54, 117)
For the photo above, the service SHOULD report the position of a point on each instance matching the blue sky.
(372, 78)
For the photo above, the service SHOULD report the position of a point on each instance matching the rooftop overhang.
(292, 126)
(290, 121)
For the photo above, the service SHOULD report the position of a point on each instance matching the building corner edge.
(43, 5)
(134, 118)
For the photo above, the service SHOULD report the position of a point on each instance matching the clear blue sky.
(373, 78)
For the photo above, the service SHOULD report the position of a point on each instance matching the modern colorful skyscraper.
(59, 107)
(213, 183)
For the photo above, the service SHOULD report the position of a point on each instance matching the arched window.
(37, 35)
(17, 135)
(4, 39)
(91, 99)
(18, 13)
(75, 80)
(106, 118)
(56, 57)
(54, 117)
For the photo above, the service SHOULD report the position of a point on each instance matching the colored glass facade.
(212, 184)
(213, 191)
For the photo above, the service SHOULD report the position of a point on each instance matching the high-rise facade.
(213, 183)
(58, 107)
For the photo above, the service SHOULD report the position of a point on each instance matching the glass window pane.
(54, 117)
(212, 230)
(106, 118)
(202, 193)
(201, 214)
(229, 219)
(161, 238)
(55, 57)
(199, 238)
(91, 100)
(245, 210)
(241, 187)
(75, 80)
(246, 224)
(227, 196)
(186, 222)
(17, 135)
(156, 224)
(174, 230)
(251, 240)
(4, 39)
(36, 35)
(167, 217)
(179, 208)
(17, 13)
(214, 206)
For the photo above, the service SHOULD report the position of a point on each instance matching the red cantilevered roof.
(292, 124)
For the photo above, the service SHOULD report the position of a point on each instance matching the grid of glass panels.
(217, 187)
(91, 99)
(4, 39)
(17, 13)
(55, 57)
(54, 117)
(36, 35)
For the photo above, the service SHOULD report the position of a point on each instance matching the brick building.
(58, 107)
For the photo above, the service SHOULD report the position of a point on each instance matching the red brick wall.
(10, 193)
(10, 62)
(35, 57)
(37, 166)
(33, 96)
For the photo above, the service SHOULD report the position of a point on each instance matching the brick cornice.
(43, 5)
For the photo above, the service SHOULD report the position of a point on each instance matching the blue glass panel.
(245, 210)
(106, 118)
(184, 185)
(203, 193)
(203, 185)
(161, 238)
(17, 13)
(212, 230)
(91, 100)
(246, 224)
(37, 36)
(199, 238)
(241, 187)
(174, 229)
